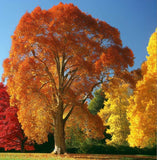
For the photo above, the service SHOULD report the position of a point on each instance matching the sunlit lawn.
(45, 156)
(31, 156)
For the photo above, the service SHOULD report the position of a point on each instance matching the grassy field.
(44, 156)
(31, 156)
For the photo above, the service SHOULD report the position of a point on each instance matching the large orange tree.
(58, 56)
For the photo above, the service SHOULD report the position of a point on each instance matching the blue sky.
(135, 19)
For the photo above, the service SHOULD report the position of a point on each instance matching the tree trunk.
(22, 147)
(23, 144)
(59, 135)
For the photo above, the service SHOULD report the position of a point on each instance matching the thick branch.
(57, 65)
(66, 61)
(72, 77)
(46, 69)
(86, 96)
(65, 107)
(43, 85)
(67, 116)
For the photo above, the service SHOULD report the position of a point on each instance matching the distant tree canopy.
(97, 102)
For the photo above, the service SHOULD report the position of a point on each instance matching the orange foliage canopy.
(56, 59)
(91, 125)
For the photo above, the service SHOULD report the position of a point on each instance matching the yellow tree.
(142, 112)
(114, 112)
(58, 56)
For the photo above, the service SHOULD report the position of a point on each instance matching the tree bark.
(23, 144)
(59, 135)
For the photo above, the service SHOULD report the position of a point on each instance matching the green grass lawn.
(31, 156)
(49, 156)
